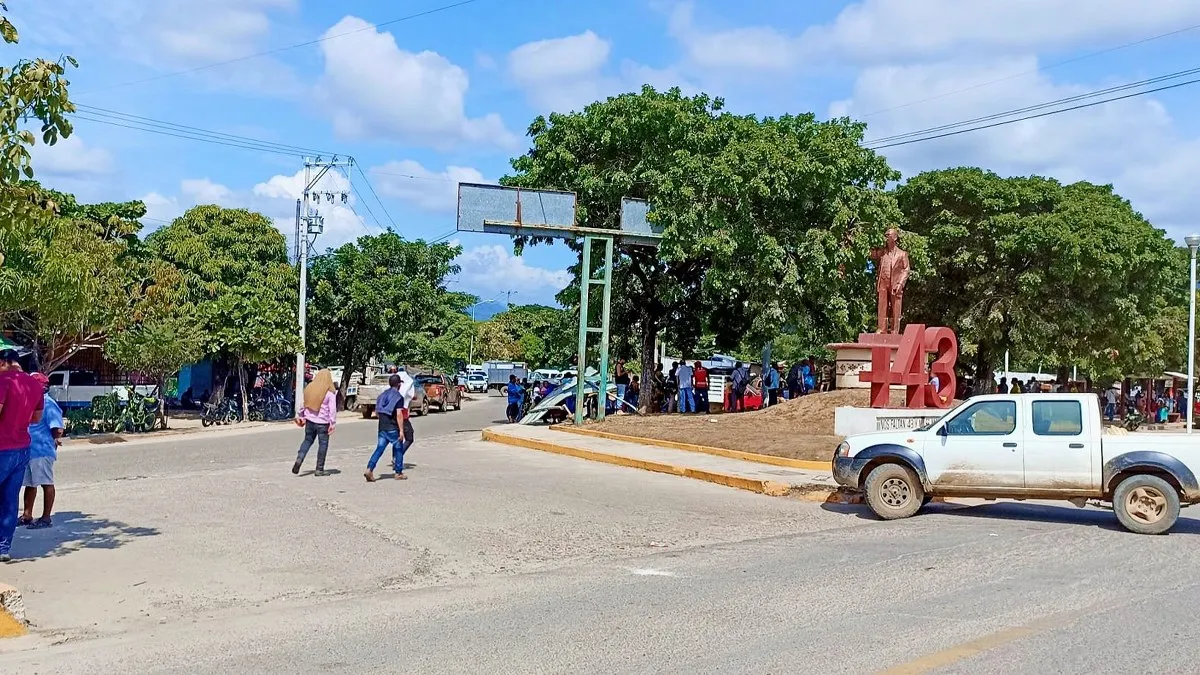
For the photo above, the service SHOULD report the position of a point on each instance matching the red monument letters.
(903, 362)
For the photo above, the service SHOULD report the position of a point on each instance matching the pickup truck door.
(1059, 450)
(59, 386)
(979, 447)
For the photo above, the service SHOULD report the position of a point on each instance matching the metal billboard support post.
(522, 212)
(585, 285)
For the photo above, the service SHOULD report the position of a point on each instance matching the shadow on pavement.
(74, 531)
(1002, 510)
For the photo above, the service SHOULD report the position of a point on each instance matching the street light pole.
(1193, 242)
(471, 356)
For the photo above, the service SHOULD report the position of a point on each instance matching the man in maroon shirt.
(20, 406)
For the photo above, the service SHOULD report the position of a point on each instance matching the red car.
(439, 391)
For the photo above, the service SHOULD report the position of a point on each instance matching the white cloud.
(878, 31)
(428, 190)
(71, 158)
(169, 35)
(274, 198)
(559, 58)
(372, 88)
(1133, 144)
(485, 269)
(568, 73)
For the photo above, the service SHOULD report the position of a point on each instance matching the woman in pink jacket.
(318, 417)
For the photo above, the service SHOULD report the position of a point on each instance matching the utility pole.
(310, 224)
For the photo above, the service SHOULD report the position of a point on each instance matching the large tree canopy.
(80, 277)
(235, 267)
(767, 222)
(383, 295)
(1058, 274)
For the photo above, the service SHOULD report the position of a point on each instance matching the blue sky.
(430, 101)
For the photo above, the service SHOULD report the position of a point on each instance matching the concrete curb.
(12, 613)
(807, 465)
(820, 493)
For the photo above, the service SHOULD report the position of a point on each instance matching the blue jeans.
(621, 395)
(1110, 411)
(687, 402)
(391, 437)
(12, 473)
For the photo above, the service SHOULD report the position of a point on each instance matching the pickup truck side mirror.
(943, 431)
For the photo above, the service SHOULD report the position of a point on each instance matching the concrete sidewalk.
(746, 475)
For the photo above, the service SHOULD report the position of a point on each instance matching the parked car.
(369, 393)
(1028, 446)
(439, 391)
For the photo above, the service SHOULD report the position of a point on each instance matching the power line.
(375, 195)
(365, 205)
(377, 172)
(1041, 106)
(183, 128)
(1035, 70)
(1030, 117)
(260, 146)
(285, 48)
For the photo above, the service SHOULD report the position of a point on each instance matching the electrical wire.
(366, 206)
(183, 128)
(1035, 70)
(1042, 106)
(1030, 117)
(375, 194)
(278, 50)
(193, 137)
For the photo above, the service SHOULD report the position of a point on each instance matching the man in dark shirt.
(20, 405)
(515, 394)
(739, 380)
(386, 407)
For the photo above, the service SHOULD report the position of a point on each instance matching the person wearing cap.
(45, 435)
(21, 401)
(387, 409)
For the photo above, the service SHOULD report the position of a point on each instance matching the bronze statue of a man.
(892, 266)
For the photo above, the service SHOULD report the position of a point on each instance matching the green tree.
(159, 346)
(1056, 274)
(764, 220)
(383, 295)
(540, 336)
(32, 90)
(234, 265)
(80, 277)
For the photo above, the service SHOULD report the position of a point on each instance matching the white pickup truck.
(1025, 446)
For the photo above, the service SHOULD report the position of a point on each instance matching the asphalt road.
(207, 556)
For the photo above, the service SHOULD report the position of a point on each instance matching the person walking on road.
(45, 436)
(700, 375)
(318, 417)
(684, 376)
(515, 393)
(21, 401)
(387, 406)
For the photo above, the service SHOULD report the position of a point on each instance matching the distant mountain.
(486, 310)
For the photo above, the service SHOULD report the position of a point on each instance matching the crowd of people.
(685, 388)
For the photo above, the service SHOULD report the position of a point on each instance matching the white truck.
(1025, 446)
(77, 388)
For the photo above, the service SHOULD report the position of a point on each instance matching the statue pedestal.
(853, 358)
(849, 421)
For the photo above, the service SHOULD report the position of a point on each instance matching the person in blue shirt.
(45, 435)
(516, 393)
(771, 382)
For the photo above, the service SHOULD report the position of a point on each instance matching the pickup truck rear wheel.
(1146, 504)
(893, 491)
(367, 410)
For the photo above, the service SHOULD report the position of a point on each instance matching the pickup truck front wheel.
(893, 491)
(1146, 504)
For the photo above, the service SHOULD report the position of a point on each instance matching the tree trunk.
(162, 401)
(649, 327)
(345, 383)
(242, 386)
(985, 380)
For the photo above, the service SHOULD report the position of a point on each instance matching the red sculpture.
(892, 266)
(909, 369)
